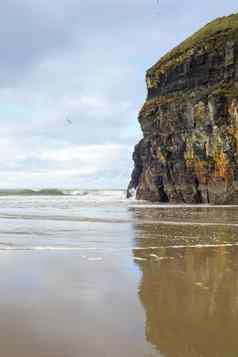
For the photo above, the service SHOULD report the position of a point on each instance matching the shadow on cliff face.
(189, 282)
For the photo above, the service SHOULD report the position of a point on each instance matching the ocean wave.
(64, 192)
(61, 218)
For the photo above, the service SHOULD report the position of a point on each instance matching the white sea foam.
(146, 204)
(95, 259)
(98, 195)
(185, 223)
(113, 250)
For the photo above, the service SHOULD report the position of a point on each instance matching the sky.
(82, 61)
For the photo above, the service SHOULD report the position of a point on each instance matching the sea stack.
(189, 150)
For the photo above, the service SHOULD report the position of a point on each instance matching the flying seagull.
(69, 121)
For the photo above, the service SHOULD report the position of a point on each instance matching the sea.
(89, 273)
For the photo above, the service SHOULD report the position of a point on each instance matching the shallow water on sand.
(102, 276)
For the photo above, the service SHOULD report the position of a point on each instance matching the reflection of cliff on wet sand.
(190, 294)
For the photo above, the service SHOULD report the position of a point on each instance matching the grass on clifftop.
(227, 24)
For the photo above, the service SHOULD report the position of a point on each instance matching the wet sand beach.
(108, 277)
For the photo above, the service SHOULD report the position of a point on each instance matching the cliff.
(189, 150)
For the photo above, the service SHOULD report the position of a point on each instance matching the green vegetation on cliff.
(216, 30)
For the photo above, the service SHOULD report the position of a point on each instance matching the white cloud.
(67, 166)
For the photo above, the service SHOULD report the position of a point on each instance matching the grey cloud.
(29, 31)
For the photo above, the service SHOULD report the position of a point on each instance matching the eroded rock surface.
(189, 150)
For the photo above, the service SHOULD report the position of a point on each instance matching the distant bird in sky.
(69, 121)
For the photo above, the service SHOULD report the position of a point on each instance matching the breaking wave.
(83, 195)
(58, 192)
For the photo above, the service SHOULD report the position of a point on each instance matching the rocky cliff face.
(189, 150)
